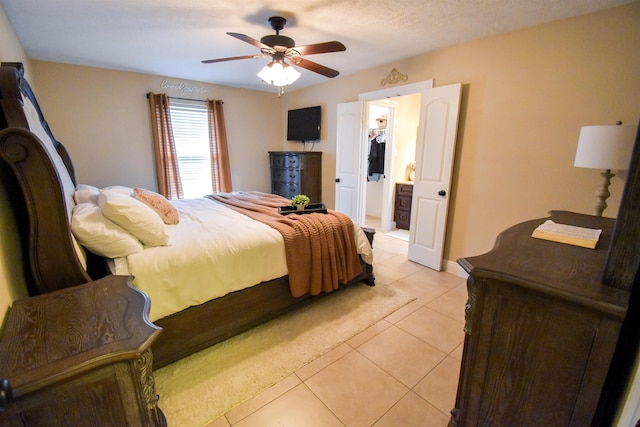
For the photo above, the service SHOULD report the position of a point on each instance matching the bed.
(47, 202)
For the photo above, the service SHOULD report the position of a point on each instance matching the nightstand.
(81, 357)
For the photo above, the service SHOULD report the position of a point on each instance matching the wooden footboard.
(202, 326)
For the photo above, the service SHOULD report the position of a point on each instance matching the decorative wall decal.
(182, 86)
(394, 77)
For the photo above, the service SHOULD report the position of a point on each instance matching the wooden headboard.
(53, 255)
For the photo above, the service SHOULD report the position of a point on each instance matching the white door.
(349, 176)
(435, 149)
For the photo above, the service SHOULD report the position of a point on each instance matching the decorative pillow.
(86, 194)
(134, 216)
(158, 203)
(99, 235)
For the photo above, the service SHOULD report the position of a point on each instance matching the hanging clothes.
(376, 156)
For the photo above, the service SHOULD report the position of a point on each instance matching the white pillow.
(86, 194)
(127, 191)
(134, 216)
(99, 235)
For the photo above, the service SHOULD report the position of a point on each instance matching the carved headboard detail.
(53, 254)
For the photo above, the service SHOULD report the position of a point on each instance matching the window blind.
(191, 136)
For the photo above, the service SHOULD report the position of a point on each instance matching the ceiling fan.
(280, 47)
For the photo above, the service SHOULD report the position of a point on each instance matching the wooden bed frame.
(37, 199)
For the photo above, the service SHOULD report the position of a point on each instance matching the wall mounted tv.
(304, 124)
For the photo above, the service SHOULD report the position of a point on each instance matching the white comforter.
(212, 251)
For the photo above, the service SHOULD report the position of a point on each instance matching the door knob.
(337, 179)
(442, 193)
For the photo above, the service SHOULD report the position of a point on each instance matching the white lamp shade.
(605, 147)
(278, 74)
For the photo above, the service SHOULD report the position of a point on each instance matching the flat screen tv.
(304, 124)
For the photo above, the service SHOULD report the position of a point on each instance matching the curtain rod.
(183, 99)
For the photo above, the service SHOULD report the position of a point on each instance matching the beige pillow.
(159, 204)
(134, 216)
(99, 235)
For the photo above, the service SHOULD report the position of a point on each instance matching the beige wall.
(12, 283)
(102, 117)
(525, 96)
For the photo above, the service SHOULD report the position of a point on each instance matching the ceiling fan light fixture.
(278, 73)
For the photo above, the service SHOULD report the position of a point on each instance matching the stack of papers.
(569, 234)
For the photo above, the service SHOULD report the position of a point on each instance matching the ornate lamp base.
(603, 193)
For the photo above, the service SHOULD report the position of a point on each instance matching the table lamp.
(605, 147)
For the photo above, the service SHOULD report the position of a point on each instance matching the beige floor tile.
(457, 353)
(262, 399)
(297, 407)
(315, 366)
(402, 355)
(424, 285)
(380, 255)
(449, 277)
(450, 304)
(413, 411)
(434, 328)
(439, 387)
(368, 333)
(399, 262)
(403, 312)
(397, 246)
(356, 390)
(388, 275)
(220, 422)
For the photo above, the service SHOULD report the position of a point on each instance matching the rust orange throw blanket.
(320, 248)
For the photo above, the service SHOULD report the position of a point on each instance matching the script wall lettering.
(182, 86)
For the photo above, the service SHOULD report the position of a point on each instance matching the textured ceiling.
(170, 37)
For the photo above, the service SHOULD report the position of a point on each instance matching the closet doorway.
(435, 138)
(392, 127)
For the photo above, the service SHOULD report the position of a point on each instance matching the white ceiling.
(170, 37)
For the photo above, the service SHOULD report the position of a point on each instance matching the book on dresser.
(296, 172)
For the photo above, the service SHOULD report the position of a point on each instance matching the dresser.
(541, 329)
(80, 357)
(296, 172)
(402, 207)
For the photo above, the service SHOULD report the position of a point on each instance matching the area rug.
(200, 388)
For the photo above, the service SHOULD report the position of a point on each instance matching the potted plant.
(300, 201)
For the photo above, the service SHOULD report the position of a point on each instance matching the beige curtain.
(220, 170)
(169, 184)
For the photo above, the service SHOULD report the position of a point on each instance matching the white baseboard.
(454, 268)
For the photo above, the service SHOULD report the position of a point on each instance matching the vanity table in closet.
(402, 206)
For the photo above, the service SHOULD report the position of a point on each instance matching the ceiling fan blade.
(326, 47)
(250, 40)
(232, 58)
(315, 67)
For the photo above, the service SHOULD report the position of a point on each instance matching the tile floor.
(402, 371)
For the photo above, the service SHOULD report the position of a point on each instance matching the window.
(191, 135)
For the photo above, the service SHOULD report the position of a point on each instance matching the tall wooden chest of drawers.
(296, 172)
(402, 209)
